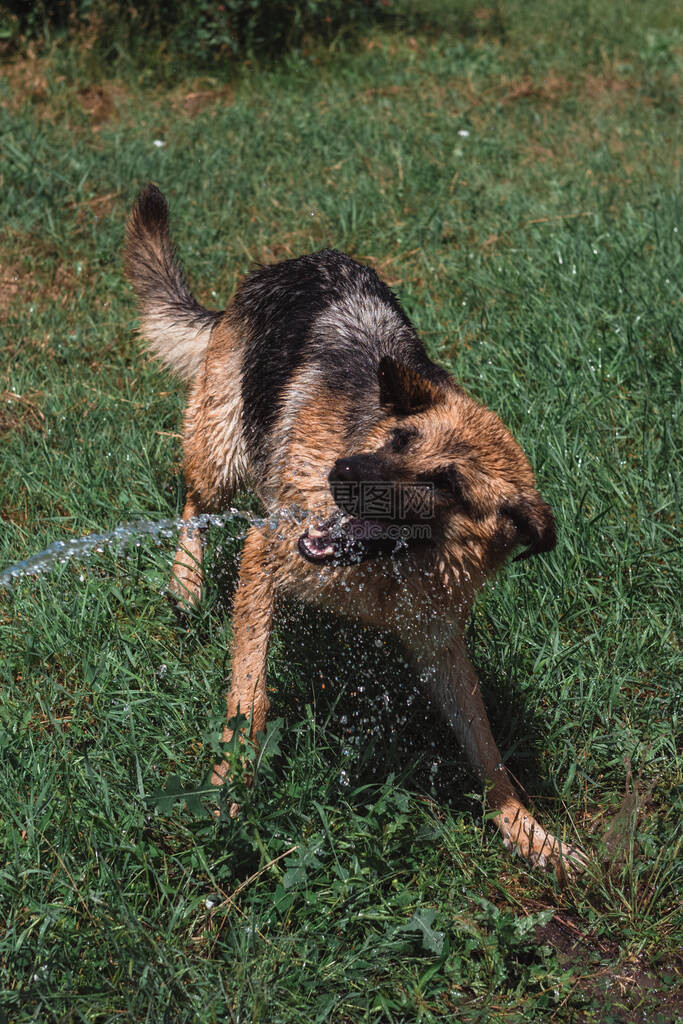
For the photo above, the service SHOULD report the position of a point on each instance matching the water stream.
(62, 551)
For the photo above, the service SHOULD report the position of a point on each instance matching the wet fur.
(315, 370)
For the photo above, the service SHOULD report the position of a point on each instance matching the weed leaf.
(421, 923)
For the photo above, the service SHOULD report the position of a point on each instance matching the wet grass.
(516, 183)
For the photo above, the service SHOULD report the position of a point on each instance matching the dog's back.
(325, 321)
(318, 321)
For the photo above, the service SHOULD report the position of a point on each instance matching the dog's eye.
(400, 439)
(450, 482)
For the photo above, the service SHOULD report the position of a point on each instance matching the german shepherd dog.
(314, 388)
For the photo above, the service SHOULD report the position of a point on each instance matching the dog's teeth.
(313, 531)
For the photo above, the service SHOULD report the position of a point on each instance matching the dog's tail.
(174, 325)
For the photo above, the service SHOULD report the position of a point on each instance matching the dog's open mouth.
(348, 540)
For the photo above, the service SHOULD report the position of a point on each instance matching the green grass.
(540, 258)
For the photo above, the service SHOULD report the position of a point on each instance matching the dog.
(314, 389)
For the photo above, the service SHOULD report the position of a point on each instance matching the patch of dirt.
(605, 87)
(20, 412)
(99, 103)
(10, 287)
(27, 80)
(55, 285)
(630, 992)
(389, 90)
(98, 207)
(626, 988)
(33, 277)
(552, 88)
(197, 99)
(18, 287)
(607, 84)
(14, 514)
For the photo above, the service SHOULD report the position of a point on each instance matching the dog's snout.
(342, 471)
(363, 468)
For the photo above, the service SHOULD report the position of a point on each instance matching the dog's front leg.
(455, 686)
(251, 624)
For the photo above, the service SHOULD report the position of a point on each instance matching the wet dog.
(314, 389)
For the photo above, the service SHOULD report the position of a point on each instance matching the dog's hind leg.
(456, 688)
(215, 461)
(187, 576)
(251, 623)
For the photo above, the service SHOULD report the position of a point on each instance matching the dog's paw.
(523, 835)
(542, 850)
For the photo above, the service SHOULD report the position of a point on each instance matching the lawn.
(515, 179)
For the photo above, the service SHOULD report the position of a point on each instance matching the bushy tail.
(175, 327)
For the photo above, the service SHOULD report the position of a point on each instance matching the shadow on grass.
(363, 692)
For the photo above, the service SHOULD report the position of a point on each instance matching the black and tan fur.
(313, 378)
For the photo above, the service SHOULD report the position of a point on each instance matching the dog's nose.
(343, 470)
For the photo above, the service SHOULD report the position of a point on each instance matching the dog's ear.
(405, 390)
(535, 524)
